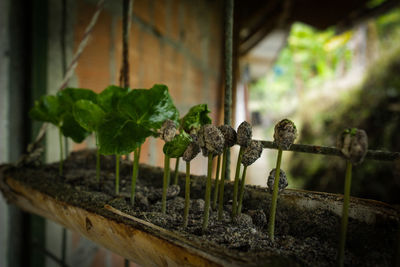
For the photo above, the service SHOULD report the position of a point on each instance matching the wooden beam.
(150, 245)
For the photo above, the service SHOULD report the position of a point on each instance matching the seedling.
(174, 147)
(353, 143)
(168, 132)
(196, 117)
(190, 153)
(244, 134)
(128, 120)
(91, 115)
(144, 111)
(250, 155)
(57, 110)
(284, 135)
(211, 142)
(230, 138)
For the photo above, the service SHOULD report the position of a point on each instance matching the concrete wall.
(175, 42)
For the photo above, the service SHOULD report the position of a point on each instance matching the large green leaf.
(195, 118)
(71, 128)
(47, 109)
(149, 108)
(69, 96)
(178, 145)
(109, 98)
(88, 114)
(119, 135)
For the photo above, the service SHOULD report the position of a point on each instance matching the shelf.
(150, 245)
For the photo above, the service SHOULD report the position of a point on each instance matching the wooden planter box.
(151, 245)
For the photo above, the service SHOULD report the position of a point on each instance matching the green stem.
(117, 174)
(345, 214)
(97, 161)
(187, 195)
(176, 171)
(216, 183)
(169, 173)
(165, 184)
(236, 183)
(61, 152)
(221, 186)
(135, 172)
(272, 212)
(241, 193)
(208, 193)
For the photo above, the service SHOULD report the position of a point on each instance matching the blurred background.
(326, 65)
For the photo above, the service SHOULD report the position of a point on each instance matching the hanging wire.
(71, 68)
(63, 34)
(124, 74)
(228, 24)
(126, 29)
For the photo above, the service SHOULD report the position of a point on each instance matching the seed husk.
(168, 130)
(285, 133)
(244, 134)
(353, 143)
(252, 153)
(211, 140)
(229, 134)
(283, 182)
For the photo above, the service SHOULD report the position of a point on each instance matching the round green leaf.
(178, 145)
(119, 135)
(196, 117)
(47, 109)
(109, 98)
(88, 114)
(149, 108)
(69, 96)
(71, 128)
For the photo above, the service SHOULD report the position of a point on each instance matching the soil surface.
(303, 237)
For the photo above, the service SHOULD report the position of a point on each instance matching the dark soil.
(303, 237)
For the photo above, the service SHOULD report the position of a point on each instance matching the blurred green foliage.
(374, 107)
(309, 58)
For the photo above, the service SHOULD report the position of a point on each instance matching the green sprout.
(196, 117)
(174, 147)
(145, 111)
(190, 153)
(57, 110)
(230, 138)
(128, 118)
(250, 155)
(284, 135)
(92, 115)
(211, 141)
(244, 134)
(353, 143)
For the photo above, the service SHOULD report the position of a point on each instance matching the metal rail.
(333, 151)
